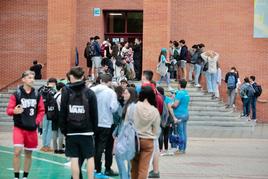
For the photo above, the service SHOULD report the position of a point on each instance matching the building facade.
(49, 31)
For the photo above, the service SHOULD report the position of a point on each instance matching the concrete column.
(61, 34)
(156, 31)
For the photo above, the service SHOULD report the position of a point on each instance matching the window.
(116, 22)
(134, 22)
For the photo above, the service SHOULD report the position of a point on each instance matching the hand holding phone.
(18, 109)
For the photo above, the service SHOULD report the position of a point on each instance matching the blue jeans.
(211, 82)
(253, 107)
(47, 132)
(197, 72)
(246, 106)
(124, 172)
(166, 77)
(182, 130)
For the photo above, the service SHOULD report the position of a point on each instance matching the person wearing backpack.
(147, 123)
(130, 97)
(258, 91)
(96, 57)
(57, 136)
(247, 93)
(181, 112)
(78, 120)
(198, 65)
(88, 55)
(48, 93)
(231, 81)
(27, 108)
(107, 105)
(183, 57)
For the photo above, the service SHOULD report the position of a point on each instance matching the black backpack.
(78, 109)
(258, 89)
(48, 97)
(52, 109)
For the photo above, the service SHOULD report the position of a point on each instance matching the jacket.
(92, 122)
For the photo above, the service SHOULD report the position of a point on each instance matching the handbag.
(162, 69)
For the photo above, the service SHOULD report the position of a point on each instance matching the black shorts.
(89, 63)
(80, 146)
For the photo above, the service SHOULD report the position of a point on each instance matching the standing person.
(147, 122)
(27, 108)
(258, 91)
(199, 65)
(231, 81)
(176, 56)
(78, 121)
(163, 69)
(194, 59)
(107, 105)
(96, 57)
(181, 112)
(211, 58)
(57, 136)
(247, 93)
(88, 55)
(36, 68)
(130, 98)
(137, 57)
(183, 58)
(48, 93)
(217, 93)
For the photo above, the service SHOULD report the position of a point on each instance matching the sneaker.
(197, 86)
(100, 175)
(61, 151)
(111, 173)
(56, 151)
(152, 174)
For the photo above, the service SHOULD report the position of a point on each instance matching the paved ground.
(213, 153)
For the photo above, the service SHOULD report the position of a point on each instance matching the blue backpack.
(231, 81)
(127, 144)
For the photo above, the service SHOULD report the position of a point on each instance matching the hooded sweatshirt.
(146, 120)
(107, 104)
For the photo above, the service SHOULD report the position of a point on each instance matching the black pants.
(109, 150)
(138, 69)
(163, 138)
(101, 140)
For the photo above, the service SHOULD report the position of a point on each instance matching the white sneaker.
(197, 86)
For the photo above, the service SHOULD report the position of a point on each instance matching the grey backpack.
(127, 144)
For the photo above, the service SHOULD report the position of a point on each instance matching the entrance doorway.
(123, 26)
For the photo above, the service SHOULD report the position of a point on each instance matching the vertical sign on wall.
(96, 12)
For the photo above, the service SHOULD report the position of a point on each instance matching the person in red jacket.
(27, 108)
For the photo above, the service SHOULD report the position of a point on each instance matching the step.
(222, 124)
(6, 118)
(207, 103)
(4, 100)
(213, 113)
(215, 118)
(204, 99)
(209, 108)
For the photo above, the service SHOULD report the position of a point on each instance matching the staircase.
(203, 110)
(6, 120)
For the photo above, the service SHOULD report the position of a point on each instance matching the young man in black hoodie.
(78, 121)
(27, 108)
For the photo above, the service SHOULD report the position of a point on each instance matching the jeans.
(166, 77)
(253, 107)
(57, 135)
(182, 130)
(47, 132)
(124, 172)
(246, 106)
(197, 72)
(191, 70)
(231, 97)
(211, 82)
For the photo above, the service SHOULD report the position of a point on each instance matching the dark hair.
(246, 79)
(106, 78)
(233, 68)
(119, 91)
(252, 78)
(132, 85)
(96, 37)
(35, 62)
(182, 41)
(60, 85)
(183, 83)
(52, 80)
(77, 72)
(132, 99)
(201, 45)
(164, 53)
(161, 90)
(123, 81)
(195, 46)
(147, 93)
(171, 42)
(175, 43)
(91, 38)
(148, 74)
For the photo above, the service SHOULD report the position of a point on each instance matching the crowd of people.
(103, 113)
